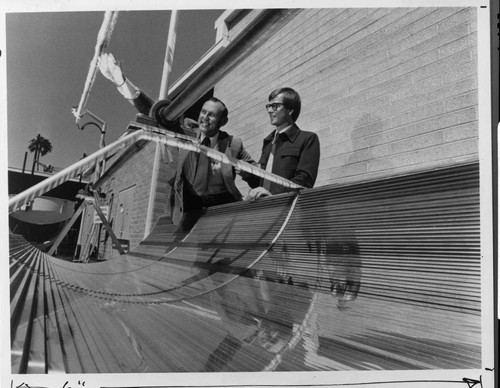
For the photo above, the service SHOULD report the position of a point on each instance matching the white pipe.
(169, 56)
(194, 145)
(103, 38)
(152, 190)
(71, 171)
(170, 139)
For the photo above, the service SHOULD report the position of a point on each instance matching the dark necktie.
(202, 170)
(270, 160)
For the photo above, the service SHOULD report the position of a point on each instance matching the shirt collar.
(283, 130)
(213, 139)
(291, 132)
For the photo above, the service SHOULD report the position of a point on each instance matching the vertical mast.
(169, 55)
(167, 67)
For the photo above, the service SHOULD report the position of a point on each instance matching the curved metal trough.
(376, 275)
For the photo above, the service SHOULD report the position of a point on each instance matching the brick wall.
(136, 174)
(388, 91)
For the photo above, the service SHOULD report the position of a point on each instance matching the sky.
(48, 56)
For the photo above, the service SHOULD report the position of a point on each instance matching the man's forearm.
(143, 103)
(136, 97)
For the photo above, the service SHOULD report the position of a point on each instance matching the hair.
(291, 99)
(225, 112)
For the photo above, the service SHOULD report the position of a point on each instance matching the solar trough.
(379, 275)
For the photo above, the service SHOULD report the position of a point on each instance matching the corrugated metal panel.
(378, 275)
(402, 260)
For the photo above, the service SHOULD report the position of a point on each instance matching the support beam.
(106, 224)
(66, 229)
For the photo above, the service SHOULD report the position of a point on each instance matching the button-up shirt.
(215, 180)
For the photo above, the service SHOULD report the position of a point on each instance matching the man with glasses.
(288, 151)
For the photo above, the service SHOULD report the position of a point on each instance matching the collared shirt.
(283, 130)
(215, 179)
(269, 165)
(214, 141)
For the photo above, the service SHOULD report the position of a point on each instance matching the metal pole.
(129, 139)
(103, 38)
(99, 168)
(175, 141)
(25, 159)
(169, 55)
(34, 161)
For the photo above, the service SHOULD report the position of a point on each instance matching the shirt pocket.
(289, 158)
(290, 152)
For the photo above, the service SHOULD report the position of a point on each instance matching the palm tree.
(40, 146)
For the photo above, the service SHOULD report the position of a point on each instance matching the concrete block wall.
(389, 91)
(137, 172)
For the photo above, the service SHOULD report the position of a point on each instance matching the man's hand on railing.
(257, 193)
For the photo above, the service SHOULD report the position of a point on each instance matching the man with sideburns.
(288, 151)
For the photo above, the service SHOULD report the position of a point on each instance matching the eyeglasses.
(274, 106)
